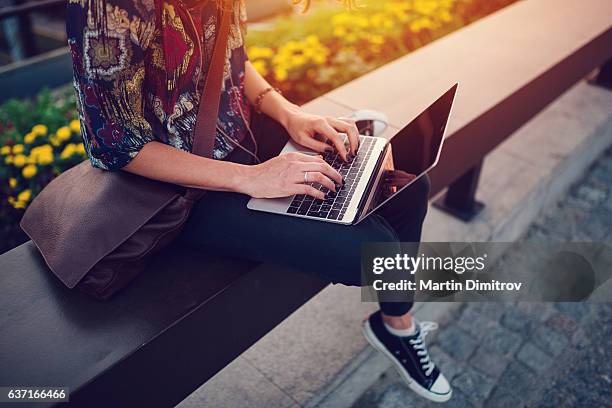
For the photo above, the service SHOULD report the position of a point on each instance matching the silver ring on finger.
(306, 177)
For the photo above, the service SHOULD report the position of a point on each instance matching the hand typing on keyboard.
(320, 133)
(287, 175)
(296, 173)
(334, 203)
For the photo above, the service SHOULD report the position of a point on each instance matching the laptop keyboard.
(335, 204)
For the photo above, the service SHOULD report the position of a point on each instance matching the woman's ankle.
(403, 322)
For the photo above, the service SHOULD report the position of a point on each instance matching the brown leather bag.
(96, 229)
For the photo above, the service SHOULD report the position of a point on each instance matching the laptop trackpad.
(277, 205)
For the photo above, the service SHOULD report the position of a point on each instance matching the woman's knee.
(347, 264)
(419, 197)
(414, 200)
(421, 188)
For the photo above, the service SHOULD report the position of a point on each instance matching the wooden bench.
(190, 315)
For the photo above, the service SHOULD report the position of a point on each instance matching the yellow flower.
(11, 200)
(319, 59)
(339, 31)
(42, 155)
(293, 45)
(312, 40)
(54, 141)
(29, 138)
(45, 158)
(17, 149)
(260, 52)
(425, 7)
(12, 182)
(80, 148)
(8, 160)
(260, 66)
(280, 74)
(68, 151)
(377, 39)
(19, 204)
(296, 54)
(361, 22)
(421, 24)
(379, 20)
(298, 60)
(75, 126)
(63, 133)
(40, 130)
(19, 160)
(29, 171)
(25, 195)
(280, 59)
(5, 150)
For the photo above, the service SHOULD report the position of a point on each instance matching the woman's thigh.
(222, 224)
(407, 210)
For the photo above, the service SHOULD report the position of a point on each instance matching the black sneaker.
(410, 357)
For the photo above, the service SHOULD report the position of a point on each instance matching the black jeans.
(221, 224)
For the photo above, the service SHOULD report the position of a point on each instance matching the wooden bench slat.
(78, 337)
(172, 329)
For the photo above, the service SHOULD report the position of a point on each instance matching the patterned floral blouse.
(136, 68)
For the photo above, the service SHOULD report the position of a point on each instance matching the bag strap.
(208, 111)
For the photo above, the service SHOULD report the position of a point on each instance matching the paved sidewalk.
(528, 354)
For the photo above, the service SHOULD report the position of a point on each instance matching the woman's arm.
(273, 104)
(281, 176)
(303, 127)
(162, 162)
(278, 177)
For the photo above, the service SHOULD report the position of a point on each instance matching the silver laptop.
(380, 170)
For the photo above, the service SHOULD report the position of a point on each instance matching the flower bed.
(304, 55)
(309, 55)
(39, 139)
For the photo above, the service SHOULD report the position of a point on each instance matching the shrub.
(39, 139)
(308, 55)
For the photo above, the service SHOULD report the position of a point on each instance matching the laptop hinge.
(366, 199)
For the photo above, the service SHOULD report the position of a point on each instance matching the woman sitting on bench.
(138, 77)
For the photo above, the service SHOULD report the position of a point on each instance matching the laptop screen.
(414, 150)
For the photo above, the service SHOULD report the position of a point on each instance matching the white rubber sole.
(412, 384)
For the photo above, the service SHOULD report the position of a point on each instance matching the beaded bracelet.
(261, 96)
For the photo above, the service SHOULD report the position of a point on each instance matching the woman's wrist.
(238, 177)
(272, 103)
(287, 112)
(278, 107)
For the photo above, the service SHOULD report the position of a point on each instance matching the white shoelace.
(419, 346)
